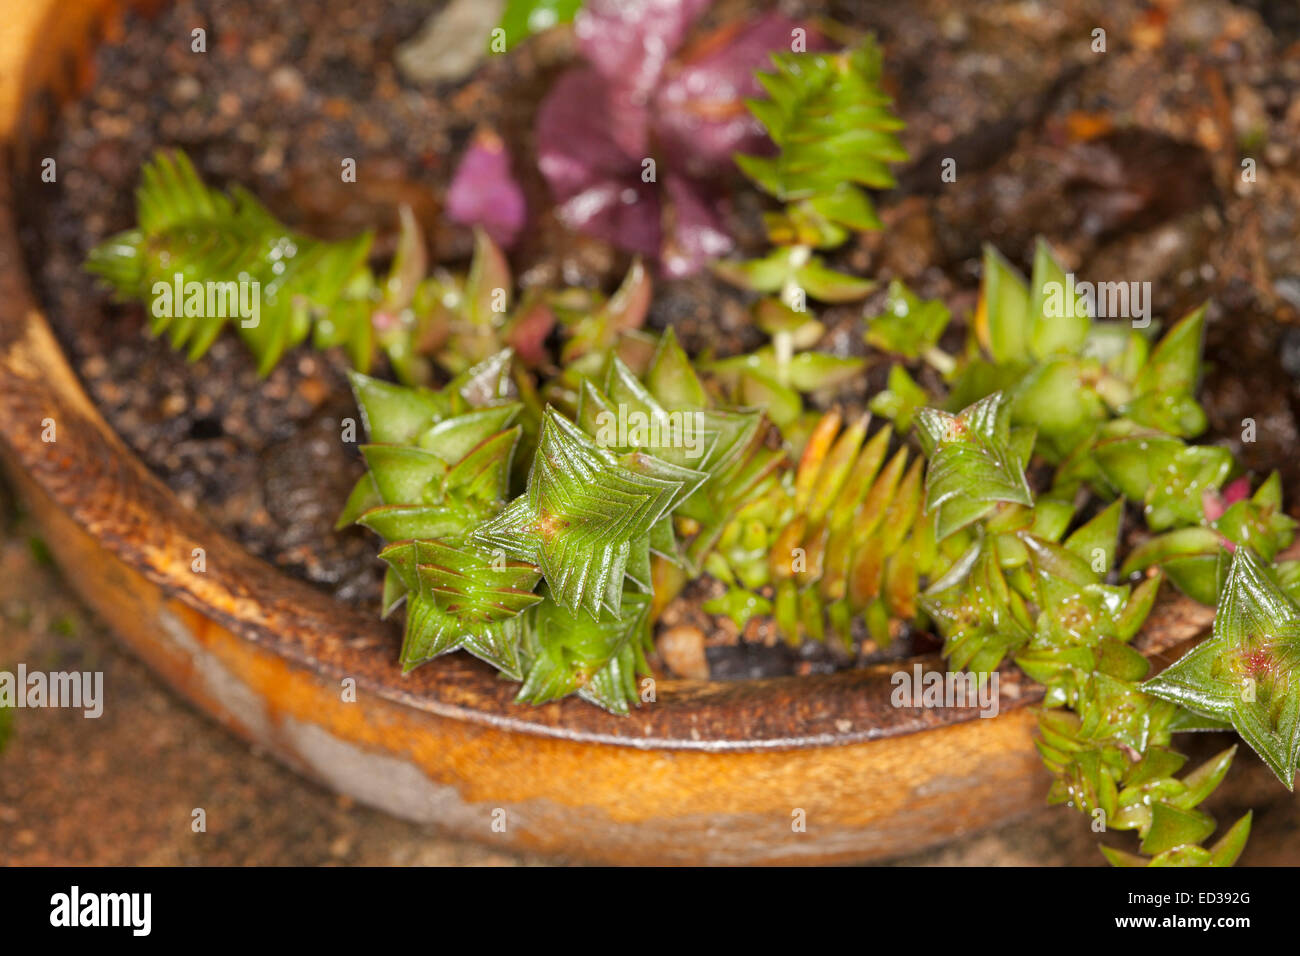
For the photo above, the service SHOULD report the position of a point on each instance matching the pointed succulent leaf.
(1174, 412)
(1169, 477)
(1186, 721)
(470, 584)
(972, 467)
(1173, 826)
(828, 285)
(1245, 673)
(398, 522)
(1098, 540)
(909, 326)
(1055, 397)
(1228, 848)
(486, 383)
(1138, 607)
(430, 632)
(1051, 517)
(1059, 320)
(625, 312)
(395, 414)
(566, 650)
(1258, 522)
(1202, 781)
(672, 379)
(1175, 364)
(583, 511)
(778, 320)
(405, 475)
(1194, 559)
(703, 439)
(499, 644)
(364, 496)
(900, 400)
(1002, 318)
(768, 274)
(453, 438)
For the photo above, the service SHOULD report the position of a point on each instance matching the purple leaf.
(695, 232)
(483, 192)
(595, 131)
(596, 183)
(700, 114)
(629, 41)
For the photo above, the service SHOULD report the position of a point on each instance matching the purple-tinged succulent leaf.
(625, 312)
(528, 329)
(972, 467)
(484, 193)
(410, 263)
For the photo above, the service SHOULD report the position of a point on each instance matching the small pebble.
(682, 649)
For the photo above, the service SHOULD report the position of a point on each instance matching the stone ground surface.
(121, 789)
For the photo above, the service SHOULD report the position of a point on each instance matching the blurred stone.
(451, 43)
(682, 649)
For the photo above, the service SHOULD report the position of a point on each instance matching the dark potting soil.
(1128, 162)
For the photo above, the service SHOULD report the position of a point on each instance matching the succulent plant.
(1108, 407)
(542, 522)
(777, 376)
(835, 133)
(439, 466)
(596, 514)
(1111, 411)
(1000, 573)
(186, 229)
(307, 287)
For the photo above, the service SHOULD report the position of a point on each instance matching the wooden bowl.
(711, 772)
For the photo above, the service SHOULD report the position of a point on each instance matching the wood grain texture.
(709, 772)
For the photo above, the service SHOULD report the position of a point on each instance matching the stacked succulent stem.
(326, 292)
